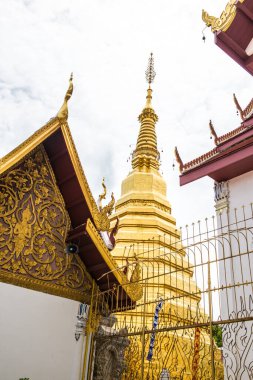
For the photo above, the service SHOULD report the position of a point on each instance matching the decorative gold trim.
(39, 137)
(41, 286)
(225, 20)
(133, 289)
(101, 218)
(28, 145)
(78, 168)
(103, 250)
(32, 246)
(143, 203)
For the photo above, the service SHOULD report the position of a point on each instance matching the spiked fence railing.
(204, 282)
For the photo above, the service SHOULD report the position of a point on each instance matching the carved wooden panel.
(33, 228)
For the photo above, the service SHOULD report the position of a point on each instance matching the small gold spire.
(150, 72)
(146, 153)
(149, 98)
(150, 76)
(63, 112)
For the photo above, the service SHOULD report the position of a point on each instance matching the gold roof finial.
(103, 195)
(226, 18)
(101, 218)
(63, 112)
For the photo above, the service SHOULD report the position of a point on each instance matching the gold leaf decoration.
(224, 21)
(33, 227)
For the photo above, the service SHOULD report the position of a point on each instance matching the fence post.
(143, 331)
(211, 319)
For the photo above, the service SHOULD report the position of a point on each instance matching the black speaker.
(71, 248)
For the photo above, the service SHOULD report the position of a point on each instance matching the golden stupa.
(148, 239)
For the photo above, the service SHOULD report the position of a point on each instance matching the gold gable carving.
(223, 22)
(33, 227)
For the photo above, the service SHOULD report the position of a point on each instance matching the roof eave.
(222, 167)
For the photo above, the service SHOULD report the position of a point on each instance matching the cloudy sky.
(106, 43)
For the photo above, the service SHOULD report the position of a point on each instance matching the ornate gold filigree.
(34, 226)
(37, 138)
(145, 202)
(225, 20)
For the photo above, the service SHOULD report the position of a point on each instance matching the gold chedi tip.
(146, 154)
(149, 98)
(63, 112)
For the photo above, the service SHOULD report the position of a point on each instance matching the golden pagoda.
(149, 240)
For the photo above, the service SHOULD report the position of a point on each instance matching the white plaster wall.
(236, 226)
(241, 218)
(241, 190)
(37, 338)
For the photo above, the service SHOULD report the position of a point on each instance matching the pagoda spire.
(146, 154)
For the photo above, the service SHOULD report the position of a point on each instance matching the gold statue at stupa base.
(147, 234)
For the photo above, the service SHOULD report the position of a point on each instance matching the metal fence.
(194, 316)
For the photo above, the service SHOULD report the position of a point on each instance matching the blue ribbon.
(155, 323)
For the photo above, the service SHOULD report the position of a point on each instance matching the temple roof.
(86, 218)
(232, 156)
(233, 31)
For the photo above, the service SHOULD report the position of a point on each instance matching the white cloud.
(106, 44)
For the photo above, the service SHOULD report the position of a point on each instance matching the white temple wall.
(241, 190)
(37, 336)
(235, 226)
(241, 219)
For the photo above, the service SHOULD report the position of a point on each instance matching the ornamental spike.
(150, 72)
(213, 132)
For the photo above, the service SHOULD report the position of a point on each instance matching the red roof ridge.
(199, 160)
(231, 134)
(220, 140)
(248, 110)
